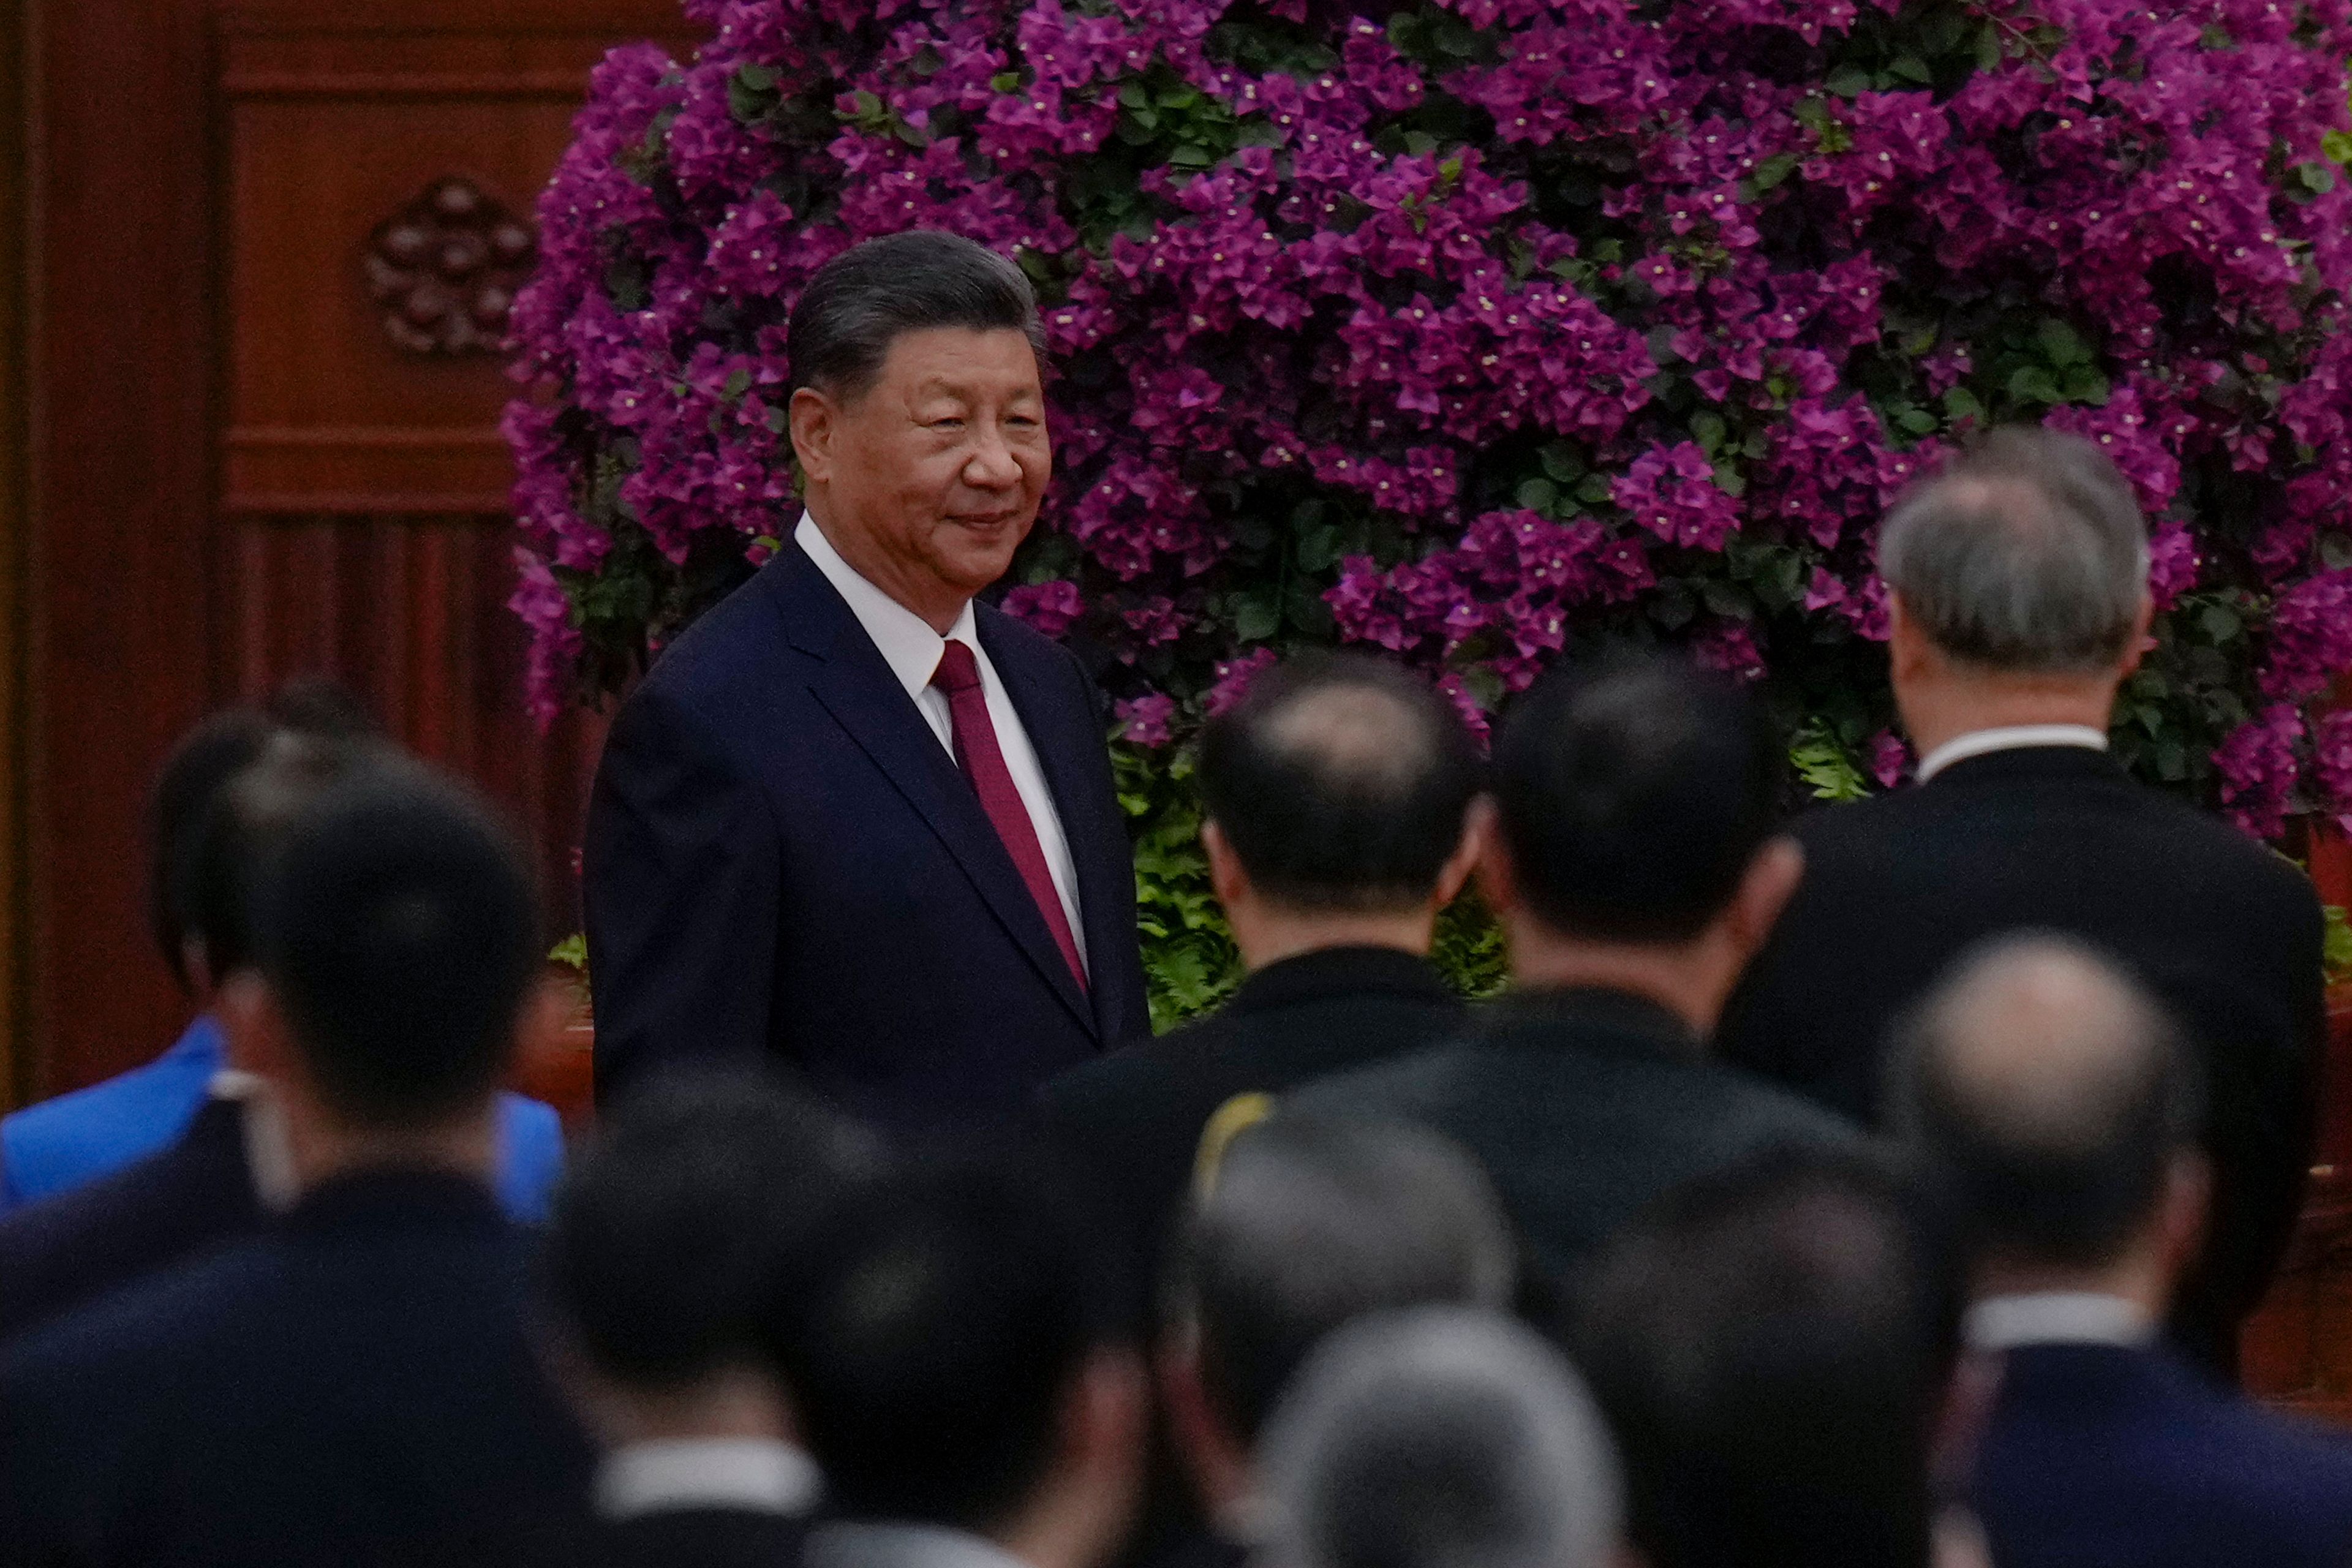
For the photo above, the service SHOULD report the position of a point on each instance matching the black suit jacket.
(353, 1385)
(2062, 838)
(1135, 1118)
(696, 1537)
(781, 857)
(2101, 1457)
(182, 1201)
(1583, 1106)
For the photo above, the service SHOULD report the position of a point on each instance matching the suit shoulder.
(190, 1316)
(1128, 1082)
(732, 647)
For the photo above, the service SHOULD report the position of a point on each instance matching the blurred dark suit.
(1583, 1106)
(354, 1385)
(166, 1209)
(2060, 838)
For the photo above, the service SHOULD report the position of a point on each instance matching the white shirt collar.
(269, 1154)
(906, 641)
(897, 1544)
(2057, 1318)
(2006, 738)
(757, 1473)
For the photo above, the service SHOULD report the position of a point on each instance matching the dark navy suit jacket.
(2101, 1457)
(356, 1385)
(781, 857)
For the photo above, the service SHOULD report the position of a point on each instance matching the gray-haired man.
(2018, 580)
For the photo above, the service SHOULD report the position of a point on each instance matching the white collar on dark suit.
(268, 1157)
(756, 1474)
(903, 1545)
(2008, 738)
(911, 649)
(2058, 1317)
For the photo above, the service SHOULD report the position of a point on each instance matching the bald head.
(2053, 1092)
(2026, 554)
(1341, 783)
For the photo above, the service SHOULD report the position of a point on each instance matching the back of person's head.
(2025, 554)
(1633, 796)
(396, 928)
(691, 1217)
(962, 1310)
(1310, 1222)
(1342, 782)
(1439, 1438)
(193, 777)
(2052, 1094)
(1773, 1345)
(244, 821)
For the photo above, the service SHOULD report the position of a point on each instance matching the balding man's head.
(2053, 1092)
(1340, 782)
(2025, 555)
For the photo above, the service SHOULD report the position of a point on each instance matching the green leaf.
(2086, 383)
(1005, 81)
(1257, 617)
(2061, 344)
(1538, 495)
(2336, 955)
(2315, 177)
(1774, 170)
(1961, 405)
(1706, 429)
(573, 951)
(2219, 621)
(1911, 67)
(1134, 95)
(1561, 463)
(1916, 421)
(2033, 384)
(1849, 81)
(1594, 490)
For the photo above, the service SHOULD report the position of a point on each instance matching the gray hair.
(2025, 554)
(1441, 1438)
(1314, 1221)
(863, 300)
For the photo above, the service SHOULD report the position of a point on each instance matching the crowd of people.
(1878, 1185)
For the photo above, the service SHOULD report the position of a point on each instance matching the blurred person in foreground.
(75, 1139)
(2018, 603)
(1305, 1224)
(966, 1375)
(677, 1238)
(1634, 868)
(2059, 1102)
(1341, 805)
(355, 1385)
(1776, 1347)
(1439, 1438)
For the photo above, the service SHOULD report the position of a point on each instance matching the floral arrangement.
(1483, 331)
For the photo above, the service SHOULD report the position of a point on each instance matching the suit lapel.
(1066, 740)
(857, 686)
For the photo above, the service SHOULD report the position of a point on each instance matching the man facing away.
(2018, 585)
(354, 1384)
(966, 1375)
(1340, 798)
(675, 1243)
(854, 821)
(1634, 869)
(2060, 1105)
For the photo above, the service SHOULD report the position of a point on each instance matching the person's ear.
(258, 1038)
(1226, 878)
(1498, 876)
(1764, 891)
(2138, 647)
(1477, 824)
(1217, 1464)
(2187, 1201)
(815, 421)
(1908, 652)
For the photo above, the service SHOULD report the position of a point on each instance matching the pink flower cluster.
(1475, 330)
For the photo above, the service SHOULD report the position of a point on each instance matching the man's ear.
(2185, 1205)
(1219, 1465)
(1498, 877)
(2137, 648)
(259, 1040)
(1477, 823)
(1764, 891)
(815, 421)
(1226, 878)
(1908, 654)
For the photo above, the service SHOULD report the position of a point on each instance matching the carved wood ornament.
(445, 266)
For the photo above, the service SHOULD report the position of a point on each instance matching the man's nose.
(992, 466)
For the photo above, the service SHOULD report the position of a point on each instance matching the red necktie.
(983, 763)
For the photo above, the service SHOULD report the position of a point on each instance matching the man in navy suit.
(2063, 1108)
(852, 817)
(355, 1385)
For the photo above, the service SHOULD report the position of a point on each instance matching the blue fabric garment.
(62, 1143)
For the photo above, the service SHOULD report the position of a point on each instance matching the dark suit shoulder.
(696, 1538)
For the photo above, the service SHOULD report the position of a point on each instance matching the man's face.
(929, 479)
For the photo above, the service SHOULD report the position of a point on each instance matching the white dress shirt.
(2008, 738)
(2057, 1318)
(894, 1546)
(268, 1156)
(757, 1475)
(911, 649)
